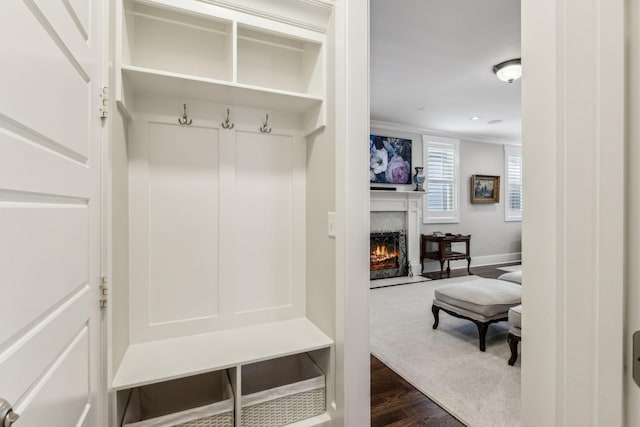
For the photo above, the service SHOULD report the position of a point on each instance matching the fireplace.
(388, 255)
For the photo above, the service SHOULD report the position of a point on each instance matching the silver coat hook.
(227, 124)
(185, 120)
(264, 128)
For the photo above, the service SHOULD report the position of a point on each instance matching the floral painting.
(389, 160)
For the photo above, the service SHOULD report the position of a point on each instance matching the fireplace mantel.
(403, 201)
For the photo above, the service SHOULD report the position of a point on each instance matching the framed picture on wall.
(485, 189)
(389, 160)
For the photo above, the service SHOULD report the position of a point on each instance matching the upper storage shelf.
(164, 40)
(226, 58)
(272, 61)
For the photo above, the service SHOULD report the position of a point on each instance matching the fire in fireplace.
(388, 254)
(383, 257)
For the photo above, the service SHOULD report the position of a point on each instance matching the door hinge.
(636, 358)
(104, 102)
(104, 292)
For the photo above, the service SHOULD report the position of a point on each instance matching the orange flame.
(381, 258)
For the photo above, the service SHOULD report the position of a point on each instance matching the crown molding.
(435, 132)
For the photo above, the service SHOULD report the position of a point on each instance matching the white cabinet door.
(50, 211)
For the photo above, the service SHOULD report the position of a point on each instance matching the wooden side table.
(439, 248)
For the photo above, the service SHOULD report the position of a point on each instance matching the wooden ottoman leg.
(513, 345)
(436, 315)
(482, 333)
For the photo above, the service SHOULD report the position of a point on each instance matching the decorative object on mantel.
(227, 123)
(184, 120)
(419, 178)
(485, 189)
(265, 126)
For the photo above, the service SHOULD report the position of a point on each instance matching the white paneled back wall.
(217, 219)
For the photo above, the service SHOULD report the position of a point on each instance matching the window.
(441, 159)
(513, 188)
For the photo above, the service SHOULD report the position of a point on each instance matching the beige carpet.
(479, 389)
(511, 268)
(393, 281)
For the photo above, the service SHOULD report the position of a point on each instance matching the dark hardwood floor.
(395, 402)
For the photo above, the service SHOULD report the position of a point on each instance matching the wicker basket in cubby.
(204, 400)
(281, 391)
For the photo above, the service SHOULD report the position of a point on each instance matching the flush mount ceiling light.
(508, 71)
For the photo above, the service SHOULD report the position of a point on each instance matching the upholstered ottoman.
(515, 332)
(482, 301)
(512, 276)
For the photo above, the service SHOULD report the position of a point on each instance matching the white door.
(632, 297)
(50, 56)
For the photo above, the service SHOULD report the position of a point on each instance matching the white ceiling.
(438, 55)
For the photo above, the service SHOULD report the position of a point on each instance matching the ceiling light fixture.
(508, 71)
(476, 118)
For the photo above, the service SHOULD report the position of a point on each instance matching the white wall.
(493, 239)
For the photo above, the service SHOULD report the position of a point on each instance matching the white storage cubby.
(210, 240)
(161, 39)
(221, 55)
(281, 391)
(273, 61)
(204, 400)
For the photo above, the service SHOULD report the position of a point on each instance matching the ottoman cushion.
(513, 276)
(515, 316)
(487, 297)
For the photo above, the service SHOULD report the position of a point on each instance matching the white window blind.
(513, 174)
(441, 161)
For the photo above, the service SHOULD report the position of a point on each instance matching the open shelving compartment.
(169, 51)
(274, 61)
(209, 239)
(163, 39)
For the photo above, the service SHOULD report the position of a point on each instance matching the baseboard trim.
(478, 261)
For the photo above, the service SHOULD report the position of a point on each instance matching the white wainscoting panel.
(264, 221)
(183, 222)
(217, 221)
(174, 204)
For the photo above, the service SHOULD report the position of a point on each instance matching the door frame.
(573, 94)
